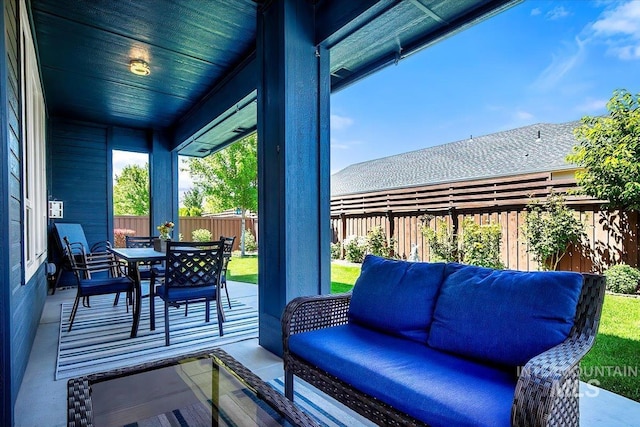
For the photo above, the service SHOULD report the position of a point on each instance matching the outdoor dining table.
(134, 256)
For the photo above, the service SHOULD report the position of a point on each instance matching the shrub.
(201, 235)
(336, 250)
(377, 243)
(481, 244)
(119, 236)
(355, 248)
(550, 228)
(250, 243)
(623, 279)
(475, 245)
(442, 242)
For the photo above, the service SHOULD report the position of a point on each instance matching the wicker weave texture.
(546, 392)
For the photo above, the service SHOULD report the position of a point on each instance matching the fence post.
(343, 231)
(392, 231)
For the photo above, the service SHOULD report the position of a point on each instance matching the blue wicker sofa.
(447, 344)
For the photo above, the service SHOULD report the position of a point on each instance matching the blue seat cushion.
(396, 297)
(102, 286)
(503, 316)
(435, 387)
(186, 293)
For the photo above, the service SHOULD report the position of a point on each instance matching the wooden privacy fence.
(219, 226)
(611, 236)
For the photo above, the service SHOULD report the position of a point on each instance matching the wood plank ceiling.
(85, 47)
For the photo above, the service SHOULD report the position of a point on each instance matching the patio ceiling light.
(139, 67)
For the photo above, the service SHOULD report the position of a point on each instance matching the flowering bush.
(201, 235)
(119, 236)
(336, 250)
(250, 243)
(165, 230)
(378, 244)
(355, 248)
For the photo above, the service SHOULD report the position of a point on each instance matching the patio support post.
(163, 174)
(293, 162)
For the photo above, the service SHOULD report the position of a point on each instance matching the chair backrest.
(90, 265)
(193, 264)
(139, 241)
(226, 252)
(75, 234)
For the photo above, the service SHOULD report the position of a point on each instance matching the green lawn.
(246, 270)
(613, 363)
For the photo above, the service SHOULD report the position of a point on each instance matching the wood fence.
(225, 226)
(611, 236)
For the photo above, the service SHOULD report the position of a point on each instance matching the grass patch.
(611, 363)
(614, 363)
(245, 269)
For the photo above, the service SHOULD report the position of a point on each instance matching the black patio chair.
(79, 245)
(96, 274)
(191, 274)
(141, 242)
(226, 257)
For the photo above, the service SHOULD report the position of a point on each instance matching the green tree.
(550, 228)
(131, 191)
(229, 177)
(609, 152)
(192, 201)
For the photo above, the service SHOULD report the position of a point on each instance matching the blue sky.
(538, 62)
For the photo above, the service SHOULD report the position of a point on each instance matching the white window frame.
(34, 177)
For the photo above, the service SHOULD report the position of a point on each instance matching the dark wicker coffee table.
(207, 388)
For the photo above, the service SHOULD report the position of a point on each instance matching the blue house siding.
(20, 303)
(80, 150)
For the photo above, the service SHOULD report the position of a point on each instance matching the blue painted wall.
(20, 303)
(79, 166)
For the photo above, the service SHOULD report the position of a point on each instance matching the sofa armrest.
(547, 392)
(304, 314)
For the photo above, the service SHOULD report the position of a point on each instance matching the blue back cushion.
(501, 316)
(73, 232)
(396, 297)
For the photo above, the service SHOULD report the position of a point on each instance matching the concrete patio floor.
(42, 401)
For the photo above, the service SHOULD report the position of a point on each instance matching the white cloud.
(557, 12)
(561, 64)
(592, 106)
(536, 11)
(624, 19)
(120, 159)
(619, 28)
(523, 115)
(340, 122)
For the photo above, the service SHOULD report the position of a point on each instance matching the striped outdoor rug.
(100, 339)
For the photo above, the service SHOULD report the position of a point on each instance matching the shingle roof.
(510, 152)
